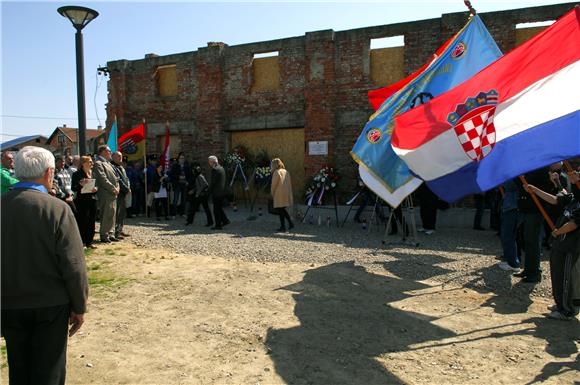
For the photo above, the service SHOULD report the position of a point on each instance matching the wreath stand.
(376, 207)
(310, 205)
(258, 189)
(350, 203)
(408, 210)
(243, 181)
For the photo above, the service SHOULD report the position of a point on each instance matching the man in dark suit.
(44, 281)
(124, 189)
(217, 190)
(107, 183)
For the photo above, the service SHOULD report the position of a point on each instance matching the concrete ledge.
(450, 218)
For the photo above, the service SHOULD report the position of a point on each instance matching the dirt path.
(161, 318)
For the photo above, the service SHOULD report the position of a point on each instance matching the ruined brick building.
(314, 89)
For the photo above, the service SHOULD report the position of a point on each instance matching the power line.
(40, 117)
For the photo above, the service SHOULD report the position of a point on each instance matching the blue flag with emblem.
(471, 50)
(112, 141)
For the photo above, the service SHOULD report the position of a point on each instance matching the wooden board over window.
(286, 144)
(387, 65)
(166, 80)
(525, 34)
(265, 74)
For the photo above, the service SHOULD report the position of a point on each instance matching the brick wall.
(324, 79)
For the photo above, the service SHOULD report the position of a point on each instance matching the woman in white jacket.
(281, 192)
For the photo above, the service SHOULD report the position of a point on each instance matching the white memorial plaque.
(318, 148)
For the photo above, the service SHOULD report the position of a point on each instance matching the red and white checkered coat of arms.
(473, 125)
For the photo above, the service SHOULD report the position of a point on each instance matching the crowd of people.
(44, 283)
(107, 188)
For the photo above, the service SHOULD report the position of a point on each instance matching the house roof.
(71, 133)
(23, 139)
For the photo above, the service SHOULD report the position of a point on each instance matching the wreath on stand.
(262, 173)
(321, 183)
(238, 162)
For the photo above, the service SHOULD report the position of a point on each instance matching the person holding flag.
(565, 249)
(470, 50)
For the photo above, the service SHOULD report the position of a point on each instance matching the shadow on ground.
(345, 324)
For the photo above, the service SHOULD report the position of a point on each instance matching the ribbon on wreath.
(239, 166)
(315, 195)
(350, 202)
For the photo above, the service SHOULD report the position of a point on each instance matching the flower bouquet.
(323, 181)
(263, 176)
(262, 172)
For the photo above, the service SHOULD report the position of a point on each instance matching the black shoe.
(105, 240)
(478, 228)
(357, 220)
(227, 222)
(113, 239)
(521, 274)
(217, 228)
(281, 229)
(188, 223)
(290, 226)
(532, 279)
(208, 224)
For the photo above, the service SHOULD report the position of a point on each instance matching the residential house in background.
(65, 139)
(18, 143)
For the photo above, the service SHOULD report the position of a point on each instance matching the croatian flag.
(516, 115)
(469, 51)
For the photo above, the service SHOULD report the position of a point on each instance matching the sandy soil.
(162, 318)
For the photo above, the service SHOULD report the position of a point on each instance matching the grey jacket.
(106, 179)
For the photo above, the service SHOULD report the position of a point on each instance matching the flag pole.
(165, 169)
(538, 204)
(145, 167)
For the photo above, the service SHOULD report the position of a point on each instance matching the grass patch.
(102, 280)
(3, 354)
(109, 252)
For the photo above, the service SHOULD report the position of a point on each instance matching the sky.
(38, 68)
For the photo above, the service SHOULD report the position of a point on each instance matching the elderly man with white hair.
(217, 189)
(44, 281)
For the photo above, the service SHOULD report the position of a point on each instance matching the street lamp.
(80, 17)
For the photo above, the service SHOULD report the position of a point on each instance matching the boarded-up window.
(166, 78)
(174, 145)
(265, 72)
(286, 144)
(387, 60)
(526, 31)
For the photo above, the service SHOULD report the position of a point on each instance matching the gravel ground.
(452, 257)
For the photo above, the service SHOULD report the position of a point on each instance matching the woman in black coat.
(85, 202)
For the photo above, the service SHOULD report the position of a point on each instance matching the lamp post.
(80, 17)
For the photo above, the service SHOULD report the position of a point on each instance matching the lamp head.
(79, 16)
